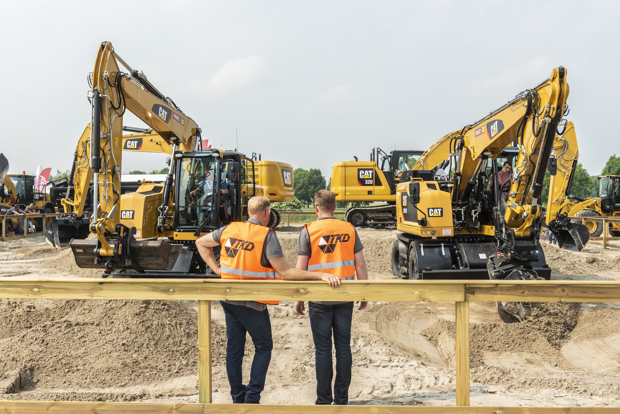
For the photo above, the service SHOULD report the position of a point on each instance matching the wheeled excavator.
(153, 232)
(454, 225)
(372, 181)
(273, 179)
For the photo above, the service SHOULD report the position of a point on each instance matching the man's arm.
(205, 246)
(281, 266)
(362, 272)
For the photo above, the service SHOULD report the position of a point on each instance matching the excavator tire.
(395, 261)
(412, 264)
(594, 227)
(614, 233)
(357, 218)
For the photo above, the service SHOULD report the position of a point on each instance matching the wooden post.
(205, 381)
(3, 227)
(462, 354)
(605, 231)
(288, 219)
(25, 227)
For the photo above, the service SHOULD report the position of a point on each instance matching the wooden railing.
(46, 220)
(304, 213)
(604, 241)
(205, 291)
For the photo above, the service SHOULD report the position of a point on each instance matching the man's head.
(207, 169)
(31, 205)
(506, 167)
(325, 202)
(259, 208)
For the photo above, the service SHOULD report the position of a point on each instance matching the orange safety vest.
(333, 243)
(242, 249)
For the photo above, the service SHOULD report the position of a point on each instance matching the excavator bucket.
(148, 254)
(4, 168)
(570, 236)
(63, 230)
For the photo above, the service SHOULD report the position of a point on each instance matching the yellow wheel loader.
(457, 221)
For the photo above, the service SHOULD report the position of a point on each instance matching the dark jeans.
(552, 239)
(324, 319)
(239, 320)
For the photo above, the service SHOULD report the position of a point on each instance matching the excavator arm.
(99, 155)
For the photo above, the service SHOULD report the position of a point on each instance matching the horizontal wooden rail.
(24, 407)
(459, 291)
(302, 213)
(45, 216)
(606, 221)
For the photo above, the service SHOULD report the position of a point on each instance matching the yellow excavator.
(562, 203)
(372, 181)
(274, 179)
(453, 224)
(203, 191)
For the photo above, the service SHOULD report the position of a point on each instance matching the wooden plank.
(3, 227)
(605, 233)
(462, 354)
(205, 379)
(216, 289)
(27, 407)
(543, 291)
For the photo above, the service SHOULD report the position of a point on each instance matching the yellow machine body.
(360, 181)
(276, 179)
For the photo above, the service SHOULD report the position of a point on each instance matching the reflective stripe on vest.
(241, 252)
(332, 244)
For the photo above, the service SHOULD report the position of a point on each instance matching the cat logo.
(232, 246)
(327, 244)
(287, 177)
(435, 212)
(494, 128)
(127, 214)
(164, 113)
(133, 144)
(365, 176)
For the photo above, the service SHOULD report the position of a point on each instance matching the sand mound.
(65, 263)
(591, 260)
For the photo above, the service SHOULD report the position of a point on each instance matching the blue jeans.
(239, 320)
(552, 239)
(324, 319)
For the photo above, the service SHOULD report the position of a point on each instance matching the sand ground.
(565, 355)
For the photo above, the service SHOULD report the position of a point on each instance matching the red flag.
(205, 144)
(43, 179)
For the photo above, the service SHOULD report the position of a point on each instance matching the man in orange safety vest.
(250, 251)
(331, 245)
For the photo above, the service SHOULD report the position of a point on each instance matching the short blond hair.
(325, 200)
(258, 204)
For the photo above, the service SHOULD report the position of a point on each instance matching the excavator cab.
(609, 189)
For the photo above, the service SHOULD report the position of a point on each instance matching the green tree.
(612, 167)
(307, 183)
(582, 185)
(60, 174)
(135, 172)
(162, 171)
(288, 205)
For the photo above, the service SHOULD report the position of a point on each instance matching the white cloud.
(337, 93)
(234, 74)
(526, 75)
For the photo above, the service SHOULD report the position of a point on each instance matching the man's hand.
(363, 305)
(218, 271)
(300, 308)
(332, 280)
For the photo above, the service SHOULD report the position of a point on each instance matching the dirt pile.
(98, 344)
(591, 261)
(65, 263)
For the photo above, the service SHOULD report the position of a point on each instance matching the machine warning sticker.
(481, 130)
(447, 232)
(482, 255)
(178, 119)
(365, 176)
(127, 214)
(494, 128)
(287, 177)
(435, 212)
(133, 144)
(164, 113)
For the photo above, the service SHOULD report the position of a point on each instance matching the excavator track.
(376, 217)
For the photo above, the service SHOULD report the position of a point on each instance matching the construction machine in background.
(562, 203)
(152, 232)
(454, 225)
(276, 180)
(372, 181)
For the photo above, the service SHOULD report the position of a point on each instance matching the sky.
(310, 83)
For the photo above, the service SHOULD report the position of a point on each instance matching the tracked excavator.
(372, 181)
(153, 233)
(454, 225)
